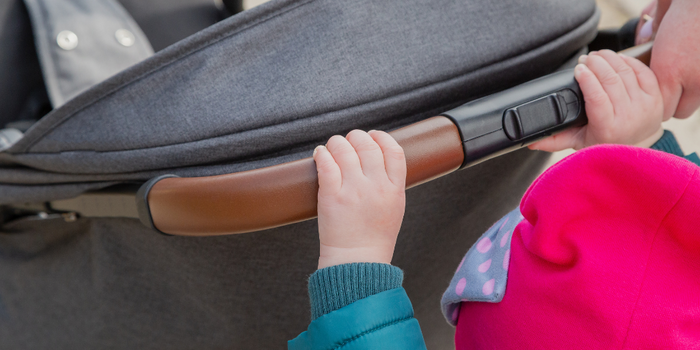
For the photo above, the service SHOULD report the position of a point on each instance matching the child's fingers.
(394, 157)
(370, 154)
(626, 73)
(645, 76)
(582, 59)
(559, 142)
(609, 79)
(345, 156)
(598, 106)
(329, 178)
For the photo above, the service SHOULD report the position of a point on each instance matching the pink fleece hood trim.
(607, 257)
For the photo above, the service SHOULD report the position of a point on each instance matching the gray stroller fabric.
(105, 283)
(269, 84)
(261, 88)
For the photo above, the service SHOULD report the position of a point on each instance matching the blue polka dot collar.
(483, 272)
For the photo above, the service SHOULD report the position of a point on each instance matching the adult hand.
(676, 55)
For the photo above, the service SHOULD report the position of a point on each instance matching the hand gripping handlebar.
(286, 193)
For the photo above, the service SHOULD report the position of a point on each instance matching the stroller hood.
(267, 85)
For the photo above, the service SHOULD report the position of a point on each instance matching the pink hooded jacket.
(606, 257)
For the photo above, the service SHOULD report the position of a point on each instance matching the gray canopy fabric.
(269, 84)
(261, 88)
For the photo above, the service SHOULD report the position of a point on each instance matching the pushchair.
(260, 88)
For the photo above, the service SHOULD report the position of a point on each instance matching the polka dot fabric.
(483, 273)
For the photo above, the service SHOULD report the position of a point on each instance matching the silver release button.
(125, 37)
(67, 40)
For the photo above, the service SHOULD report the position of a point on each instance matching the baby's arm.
(361, 201)
(361, 197)
(623, 103)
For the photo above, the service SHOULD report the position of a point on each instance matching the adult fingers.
(609, 80)
(571, 138)
(370, 154)
(345, 156)
(623, 69)
(329, 178)
(599, 108)
(645, 32)
(644, 75)
(647, 13)
(660, 12)
(394, 157)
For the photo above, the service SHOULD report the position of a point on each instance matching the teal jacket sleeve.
(334, 287)
(669, 144)
(380, 321)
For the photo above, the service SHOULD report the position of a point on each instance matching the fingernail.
(646, 31)
(317, 148)
(371, 131)
(582, 59)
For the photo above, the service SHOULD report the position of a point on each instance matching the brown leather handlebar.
(286, 193)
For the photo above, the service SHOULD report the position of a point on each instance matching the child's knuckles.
(367, 146)
(596, 98)
(397, 155)
(362, 141)
(339, 146)
(623, 69)
(325, 165)
(394, 151)
(610, 78)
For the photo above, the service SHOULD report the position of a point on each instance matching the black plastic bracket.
(514, 118)
(142, 206)
(616, 39)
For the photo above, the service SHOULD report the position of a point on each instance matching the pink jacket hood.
(606, 257)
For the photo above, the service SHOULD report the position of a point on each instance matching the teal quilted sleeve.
(381, 321)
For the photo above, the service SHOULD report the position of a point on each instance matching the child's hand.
(361, 197)
(623, 103)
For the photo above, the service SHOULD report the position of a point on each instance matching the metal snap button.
(67, 40)
(125, 37)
